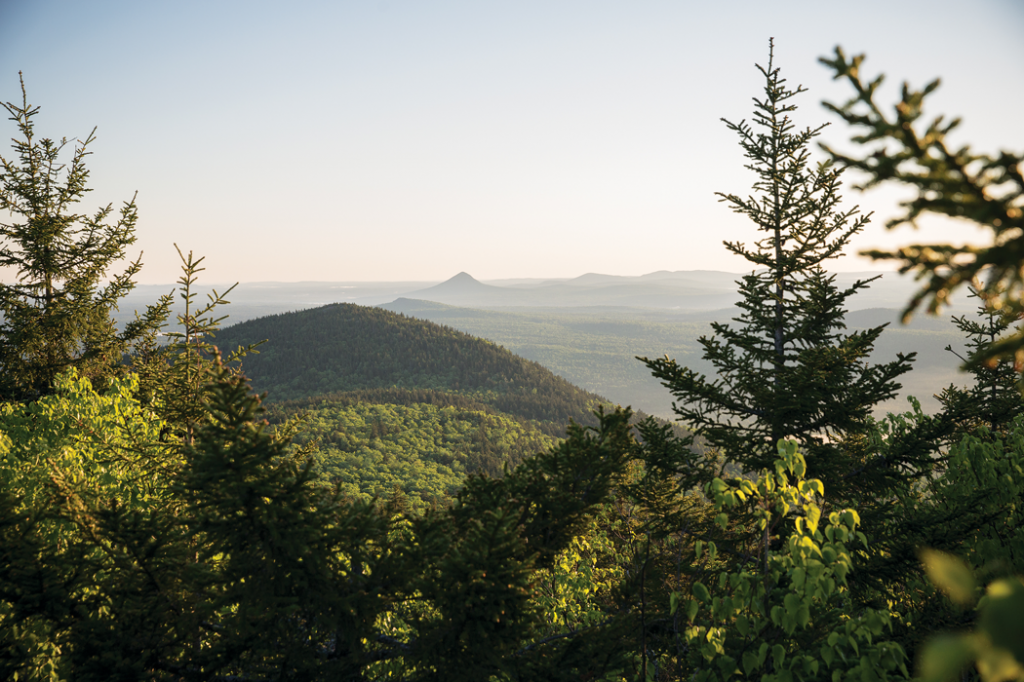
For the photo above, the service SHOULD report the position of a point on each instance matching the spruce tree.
(56, 311)
(994, 399)
(786, 368)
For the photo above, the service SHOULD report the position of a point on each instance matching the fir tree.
(994, 398)
(56, 312)
(786, 369)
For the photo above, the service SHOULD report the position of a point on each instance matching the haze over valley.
(590, 329)
(683, 291)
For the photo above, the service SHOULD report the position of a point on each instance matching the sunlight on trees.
(157, 522)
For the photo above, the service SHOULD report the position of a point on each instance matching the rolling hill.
(344, 347)
(403, 404)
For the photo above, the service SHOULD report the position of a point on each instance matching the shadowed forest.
(346, 492)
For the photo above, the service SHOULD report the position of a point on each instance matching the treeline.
(421, 442)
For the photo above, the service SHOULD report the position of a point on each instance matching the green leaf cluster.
(787, 613)
(225, 556)
(996, 644)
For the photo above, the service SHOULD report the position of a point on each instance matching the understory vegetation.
(406, 502)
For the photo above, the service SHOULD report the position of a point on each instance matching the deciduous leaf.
(944, 657)
(750, 663)
(1002, 617)
(813, 516)
(778, 656)
(950, 574)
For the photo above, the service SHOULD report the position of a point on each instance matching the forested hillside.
(422, 443)
(398, 404)
(344, 347)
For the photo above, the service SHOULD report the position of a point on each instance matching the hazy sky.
(412, 140)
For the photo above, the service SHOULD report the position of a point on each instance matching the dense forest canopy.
(158, 521)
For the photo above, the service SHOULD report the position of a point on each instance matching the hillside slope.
(343, 347)
(423, 443)
(400, 404)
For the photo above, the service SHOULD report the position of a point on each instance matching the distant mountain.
(874, 317)
(693, 291)
(462, 289)
(589, 279)
(462, 283)
(689, 290)
(683, 291)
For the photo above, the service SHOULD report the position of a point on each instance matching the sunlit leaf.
(998, 665)
(950, 574)
(813, 516)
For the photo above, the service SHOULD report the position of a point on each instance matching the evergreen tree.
(994, 398)
(56, 312)
(787, 369)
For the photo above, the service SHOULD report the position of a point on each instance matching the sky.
(411, 140)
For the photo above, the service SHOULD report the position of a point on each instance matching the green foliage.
(994, 399)
(574, 592)
(977, 498)
(56, 312)
(173, 376)
(221, 555)
(70, 463)
(786, 613)
(950, 575)
(970, 508)
(377, 441)
(997, 643)
(85, 436)
(985, 472)
(987, 190)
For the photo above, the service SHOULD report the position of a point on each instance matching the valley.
(590, 329)
(410, 396)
